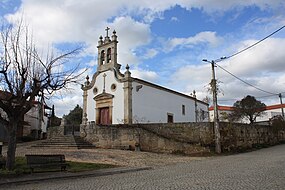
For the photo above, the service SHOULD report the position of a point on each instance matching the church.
(112, 97)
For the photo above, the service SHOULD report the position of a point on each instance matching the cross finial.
(107, 29)
(104, 85)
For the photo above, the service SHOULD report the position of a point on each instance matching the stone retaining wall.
(243, 136)
(136, 136)
(186, 138)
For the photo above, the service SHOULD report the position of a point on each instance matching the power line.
(251, 45)
(246, 82)
(223, 58)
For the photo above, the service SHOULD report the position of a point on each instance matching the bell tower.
(107, 52)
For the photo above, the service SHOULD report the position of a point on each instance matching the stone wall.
(146, 137)
(236, 137)
(186, 138)
(55, 131)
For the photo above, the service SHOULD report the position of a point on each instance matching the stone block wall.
(149, 137)
(55, 131)
(243, 136)
(186, 138)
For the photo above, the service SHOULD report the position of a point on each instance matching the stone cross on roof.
(107, 29)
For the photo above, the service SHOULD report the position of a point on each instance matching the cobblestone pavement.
(262, 169)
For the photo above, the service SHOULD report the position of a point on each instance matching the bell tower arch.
(107, 52)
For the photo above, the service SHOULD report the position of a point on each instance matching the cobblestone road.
(262, 169)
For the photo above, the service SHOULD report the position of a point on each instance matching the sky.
(165, 41)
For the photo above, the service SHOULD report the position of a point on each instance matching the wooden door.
(105, 116)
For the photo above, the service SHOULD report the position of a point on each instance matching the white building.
(111, 97)
(36, 120)
(269, 112)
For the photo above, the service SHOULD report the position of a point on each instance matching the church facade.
(112, 97)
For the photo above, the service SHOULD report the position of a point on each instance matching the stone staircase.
(67, 141)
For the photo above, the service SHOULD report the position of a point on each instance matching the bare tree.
(25, 75)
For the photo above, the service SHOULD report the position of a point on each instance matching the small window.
(183, 109)
(95, 90)
(113, 87)
(169, 118)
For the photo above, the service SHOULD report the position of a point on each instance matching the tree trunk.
(12, 141)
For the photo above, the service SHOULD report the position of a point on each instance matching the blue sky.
(165, 41)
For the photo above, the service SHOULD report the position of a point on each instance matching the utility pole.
(280, 96)
(216, 115)
(196, 110)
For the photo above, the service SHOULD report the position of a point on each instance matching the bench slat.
(43, 161)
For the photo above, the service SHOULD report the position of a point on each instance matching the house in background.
(112, 97)
(36, 121)
(270, 111)
(34, 124)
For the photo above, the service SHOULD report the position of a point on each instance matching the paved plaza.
(262, 169)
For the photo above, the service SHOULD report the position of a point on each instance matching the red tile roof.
(231, 108)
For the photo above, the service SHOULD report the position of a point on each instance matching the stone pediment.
(103, 96)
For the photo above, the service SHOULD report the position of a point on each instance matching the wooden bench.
(46, 161)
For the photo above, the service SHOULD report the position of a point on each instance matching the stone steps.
(65, 142)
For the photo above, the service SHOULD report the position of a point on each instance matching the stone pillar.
(61, 127)
(84, 114)
(128, 115)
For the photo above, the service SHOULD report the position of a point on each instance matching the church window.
(113, 87)
(102, 57)
(183, 109)
(108, 55)
(169, 118)
(95, 90)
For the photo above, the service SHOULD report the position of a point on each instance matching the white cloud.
(145, 75)
(175, 19)
(191, 77)
(67, 101)
(202, 37)
(261, 66)
(131, 34)
(267, 57)
(150, 53)
(210, 6)
(92, 63)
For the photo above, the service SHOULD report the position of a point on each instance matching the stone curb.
(37, 177)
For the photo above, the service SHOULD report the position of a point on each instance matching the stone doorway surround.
(104, 101)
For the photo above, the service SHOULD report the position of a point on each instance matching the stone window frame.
(95, 90)
(113, 87)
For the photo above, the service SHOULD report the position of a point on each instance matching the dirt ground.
(107, 156)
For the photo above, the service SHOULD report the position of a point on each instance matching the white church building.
(112, 97)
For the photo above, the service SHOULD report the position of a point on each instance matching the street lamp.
(215, 102)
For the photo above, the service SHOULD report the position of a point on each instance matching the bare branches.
(25, 75)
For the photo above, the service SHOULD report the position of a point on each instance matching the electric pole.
(216, 114)
(280, 96)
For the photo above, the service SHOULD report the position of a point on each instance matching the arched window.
(102, 57)
(108, 55)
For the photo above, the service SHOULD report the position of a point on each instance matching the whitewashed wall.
(151, 105)
(268, 114)
(118, 100)
(32, 117)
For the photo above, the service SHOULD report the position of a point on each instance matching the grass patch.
(21, 168)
